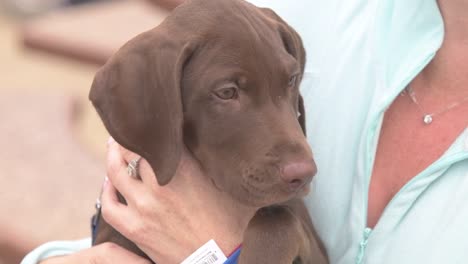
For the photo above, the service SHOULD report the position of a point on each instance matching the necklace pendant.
(427, 119)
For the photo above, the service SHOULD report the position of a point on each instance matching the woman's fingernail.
(110, 140)
(106, 181)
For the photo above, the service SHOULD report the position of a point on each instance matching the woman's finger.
(118, 175)
(112, 209)
(126, 154)
(144, 170)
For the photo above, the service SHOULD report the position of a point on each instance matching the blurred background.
(52, 143)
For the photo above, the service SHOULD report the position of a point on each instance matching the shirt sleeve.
(55, 248)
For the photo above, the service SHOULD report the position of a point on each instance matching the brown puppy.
(220, 78)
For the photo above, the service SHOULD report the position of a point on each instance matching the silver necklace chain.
(428, 118)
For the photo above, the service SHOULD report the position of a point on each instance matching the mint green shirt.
(361, 55)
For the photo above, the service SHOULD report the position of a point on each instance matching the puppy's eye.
(226, 93)
(292, 81)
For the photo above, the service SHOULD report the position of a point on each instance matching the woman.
(386, 92)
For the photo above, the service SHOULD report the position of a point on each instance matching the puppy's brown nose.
(297, 174)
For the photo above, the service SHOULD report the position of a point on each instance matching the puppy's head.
(219, 77)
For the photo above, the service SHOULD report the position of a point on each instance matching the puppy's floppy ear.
(293, 44)
(291, 39)
(137, 95)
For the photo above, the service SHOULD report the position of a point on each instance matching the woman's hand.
(170, 222)
(106, 253)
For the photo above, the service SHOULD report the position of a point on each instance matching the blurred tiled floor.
(32, 79)
(52, 156)
(49, 180)
(28, 70)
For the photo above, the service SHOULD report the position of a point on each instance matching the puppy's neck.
(230, 216)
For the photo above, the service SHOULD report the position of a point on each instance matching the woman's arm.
(107, 253)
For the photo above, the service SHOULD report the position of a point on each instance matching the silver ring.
(132, 168)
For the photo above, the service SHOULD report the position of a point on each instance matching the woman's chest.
(407, 147)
